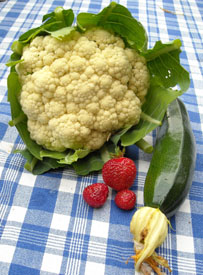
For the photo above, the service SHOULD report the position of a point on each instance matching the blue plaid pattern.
(45, 226)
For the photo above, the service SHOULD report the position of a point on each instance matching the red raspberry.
(125, 199)
(96, 194)
(119, 173)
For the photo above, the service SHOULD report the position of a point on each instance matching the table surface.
(45, 225)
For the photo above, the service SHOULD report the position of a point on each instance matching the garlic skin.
(149, 227)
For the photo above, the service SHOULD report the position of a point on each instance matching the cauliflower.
(78, 92)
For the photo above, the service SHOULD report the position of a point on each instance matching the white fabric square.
(27, 179)
(143, 166)
(1, 169)
(6, 146)
(51, 263)
(185, 207)
(67, 185)
(17, 214)
(139, 197)
(185, 244)
(94, 268)
(60, 222)
(6, 253)
(99, 229)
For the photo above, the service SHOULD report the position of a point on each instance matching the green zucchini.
(172, 166)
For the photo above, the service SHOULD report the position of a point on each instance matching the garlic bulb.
(149, 227)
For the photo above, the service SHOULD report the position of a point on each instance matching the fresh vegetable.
(119, 173)
(76, 92)
(149, 227)
(172, 166)
(58, 70)
(96, 194)
(125, 199)
(167, 183)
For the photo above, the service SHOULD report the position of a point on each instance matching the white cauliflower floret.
(77, 92)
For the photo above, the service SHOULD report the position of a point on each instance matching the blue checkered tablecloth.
(45, 226)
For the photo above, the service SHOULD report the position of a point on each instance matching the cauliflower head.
(77, 92)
